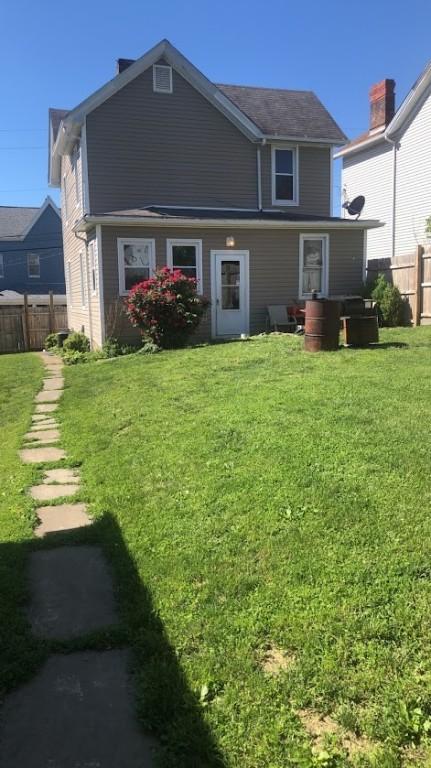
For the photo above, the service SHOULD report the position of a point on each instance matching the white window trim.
(121, 242)
(294, 149)
(92, 247)
(162, 66)
(1, 265)
(33, 277)
(198, 245)
(325, 267)
(65, 204)
(82, 268)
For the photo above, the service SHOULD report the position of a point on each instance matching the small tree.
(389, 301)
(166, 308)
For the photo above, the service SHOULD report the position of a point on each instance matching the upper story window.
(136, 261)
(285, 175)
(76, 166)
(65, 203)
(1, 265)
(94, 266)
(186, 255)
(33, 265)
(162, 78)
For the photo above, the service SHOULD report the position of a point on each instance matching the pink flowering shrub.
(166, 308)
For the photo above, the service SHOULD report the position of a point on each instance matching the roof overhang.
(88, 222)
(366, 144)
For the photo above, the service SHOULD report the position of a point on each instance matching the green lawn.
(251, 496)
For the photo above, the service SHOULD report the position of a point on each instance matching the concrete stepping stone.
(41, 417)
(42, 425)
(62, 517)
(44, 436)
(45, 408)
(46, 492)
(56, 382)
(50, 396)
(65, 475)
(77, 711)
(71, 592)
(40, 455)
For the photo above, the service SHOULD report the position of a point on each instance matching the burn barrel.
(322, 325)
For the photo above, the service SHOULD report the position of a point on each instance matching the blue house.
(31, 249)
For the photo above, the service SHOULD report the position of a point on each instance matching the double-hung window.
(186, 255)
(76, 167)
(33, 265)
(1, 265)
(285, 175)
(94, 266)
(82, 278)
(136, 261)
(313, 265)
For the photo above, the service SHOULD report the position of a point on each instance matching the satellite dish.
(355, 207)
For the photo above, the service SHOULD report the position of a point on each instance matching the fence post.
(51, 313)
(418, 284)
(25, 324)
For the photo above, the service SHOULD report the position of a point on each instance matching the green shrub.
(392, 306)
(76, 342)
(112, 348)
(149, 348)
(378, 287)
(74, 356)
(51, 341)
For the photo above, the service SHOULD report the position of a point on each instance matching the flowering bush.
(166, 308)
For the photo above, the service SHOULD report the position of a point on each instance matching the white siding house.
(391, 166)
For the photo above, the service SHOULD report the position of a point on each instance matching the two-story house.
(232, 184)
(31, 249)
(390, 164)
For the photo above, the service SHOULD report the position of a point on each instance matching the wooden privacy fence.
(411, 274)
(24, 327)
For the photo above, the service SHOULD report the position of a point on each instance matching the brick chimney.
(382, 104)
(122, 64)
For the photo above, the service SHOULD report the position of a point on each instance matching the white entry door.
(230, 293)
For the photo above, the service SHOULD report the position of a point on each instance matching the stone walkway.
(78, 710)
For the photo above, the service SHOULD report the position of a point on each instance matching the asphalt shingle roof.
(14, 220)
(279, 112)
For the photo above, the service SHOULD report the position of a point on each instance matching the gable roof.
(402, 115)
(280, 112)
(258, 112)
(17, 221)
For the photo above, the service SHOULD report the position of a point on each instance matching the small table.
(360, 330)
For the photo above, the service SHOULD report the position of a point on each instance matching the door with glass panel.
(230, 293)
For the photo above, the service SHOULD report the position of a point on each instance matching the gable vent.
(162, 78)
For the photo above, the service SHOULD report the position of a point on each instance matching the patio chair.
(278, 317)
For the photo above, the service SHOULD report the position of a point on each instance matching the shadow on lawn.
(165, 705)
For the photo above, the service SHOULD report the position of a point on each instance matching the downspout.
(259, 177)
(87, 283)
(394, 191)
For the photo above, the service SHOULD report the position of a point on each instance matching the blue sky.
(56, 54)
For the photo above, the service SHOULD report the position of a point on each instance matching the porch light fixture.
(230, 241)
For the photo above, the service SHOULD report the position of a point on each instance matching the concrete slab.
(65, 475)
(40, 455)
(63, 517)
(45, 435)
(41, 417)
(45, 407)
(71, 592)
(55, 382)
(42, 425)
(49, 396)
(46, 492)
(78, 711)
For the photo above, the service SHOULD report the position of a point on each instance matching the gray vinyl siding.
(274, 267)
(314, 166)
(149, 148)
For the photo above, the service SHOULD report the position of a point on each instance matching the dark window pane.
(33, 265)
(230, 271)
(230, 297)
(283, 161)
(284, 187)
(133, 276)
(183, 256)
(187, 271)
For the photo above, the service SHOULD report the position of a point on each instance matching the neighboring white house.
(390, 164)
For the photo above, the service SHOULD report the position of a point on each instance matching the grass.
(250, 496)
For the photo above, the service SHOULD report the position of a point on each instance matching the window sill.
(285, 203)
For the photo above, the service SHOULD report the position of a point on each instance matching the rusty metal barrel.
(322, 325)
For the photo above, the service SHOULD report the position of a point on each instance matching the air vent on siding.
(162, 78)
